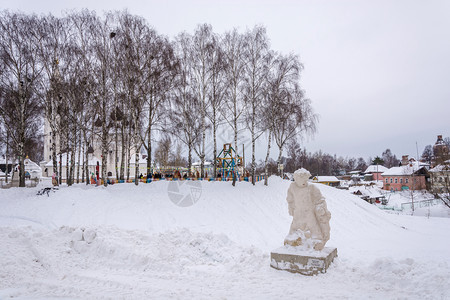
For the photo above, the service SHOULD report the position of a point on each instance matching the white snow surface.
(376, 169)
(123, 241)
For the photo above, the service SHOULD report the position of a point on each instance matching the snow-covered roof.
(369, 192)
(376, 169)
(440, 168)
(31, 165)
(326, 179)
(403, 170)
(31, 168)
(354, 172)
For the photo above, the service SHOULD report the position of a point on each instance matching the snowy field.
(123, 241)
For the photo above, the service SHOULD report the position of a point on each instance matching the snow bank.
(133, 242)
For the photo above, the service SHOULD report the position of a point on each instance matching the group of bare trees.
(113, 83)
(320, 163)
(237, 80)
(20, 73)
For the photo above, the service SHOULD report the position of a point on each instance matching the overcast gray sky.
(377, 72)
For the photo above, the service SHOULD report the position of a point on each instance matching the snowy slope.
(133, 242)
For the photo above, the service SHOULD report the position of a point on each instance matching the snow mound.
(134, 242)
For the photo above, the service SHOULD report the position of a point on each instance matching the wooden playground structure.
(229, 163)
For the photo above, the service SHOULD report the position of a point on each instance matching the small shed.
(370, 195)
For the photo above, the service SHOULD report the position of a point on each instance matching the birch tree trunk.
(149, 136)
(79, 158)
(128, 151)
(136, 161)
(81, 146)
(215, 143)
(280, 148)
(21, 148)
(253, 142)
(124, 147)
(7, 157)
(235, 139)
(104, 151)
(189, 159)
(116, 145)
(67, 155)
(60, 160)
(266, 166)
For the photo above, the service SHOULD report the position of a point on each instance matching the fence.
(148, 180)
(34, 182)
(15, 183)
(393, 208)
(423, 203)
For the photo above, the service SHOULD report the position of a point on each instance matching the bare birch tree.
(159, 78)
(216, 95)
(20, 110)
(234, 46)
(185, 104)
(295, 118)
(101, 37)
(257, 56)
(201, 65)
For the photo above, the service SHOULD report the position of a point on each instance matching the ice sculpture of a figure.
(310, 226)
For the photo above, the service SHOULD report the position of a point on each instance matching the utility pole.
(417, 151)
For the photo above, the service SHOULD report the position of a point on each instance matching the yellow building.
(327, 180)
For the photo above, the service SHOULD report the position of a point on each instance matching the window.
(391, 180)
(406, 180)
(401, 180)
(387, 180)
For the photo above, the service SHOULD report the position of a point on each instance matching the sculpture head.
(301, 177)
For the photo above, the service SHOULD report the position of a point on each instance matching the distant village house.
(327, 180)
(411, 175)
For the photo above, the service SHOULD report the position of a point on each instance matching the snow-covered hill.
(134, 242)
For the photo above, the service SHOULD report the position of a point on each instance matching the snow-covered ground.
(134, 242)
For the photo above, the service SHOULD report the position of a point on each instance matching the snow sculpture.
(304, 248)
(310, 226)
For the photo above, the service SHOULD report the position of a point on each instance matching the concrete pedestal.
(306, 262)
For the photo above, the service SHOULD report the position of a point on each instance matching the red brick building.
(408, 177)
